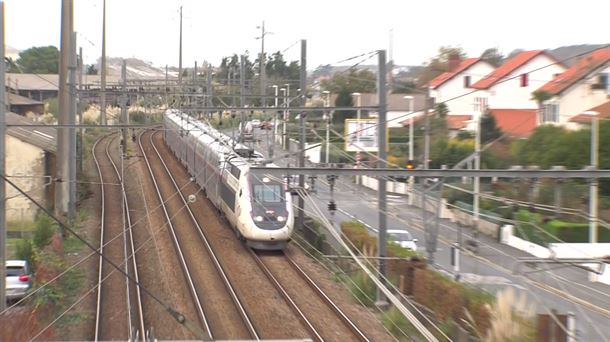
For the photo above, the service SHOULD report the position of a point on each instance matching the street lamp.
(593, 210)
(357, 95)
(286, 115)
(411, 179)
(327, 117)
(275, 87)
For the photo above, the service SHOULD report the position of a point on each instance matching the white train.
(258, 206)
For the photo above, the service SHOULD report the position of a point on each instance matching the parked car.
(255, 123)
(266, 125)
(402, 238)
(19, 279)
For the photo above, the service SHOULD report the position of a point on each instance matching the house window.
(480, 104)
(524, 80)
(466, 81)
(550, 113)
(603, 79)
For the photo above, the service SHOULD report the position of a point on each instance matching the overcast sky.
(335, 30)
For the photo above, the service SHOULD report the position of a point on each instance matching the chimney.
(454, 62)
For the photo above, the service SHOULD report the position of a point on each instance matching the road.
(493, 268)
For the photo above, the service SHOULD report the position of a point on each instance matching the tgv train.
(258, 206)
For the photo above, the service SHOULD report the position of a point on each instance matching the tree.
(39, 60)
(403, 87)
(493, 56)
(439, 64)
(351, 81)
(441, 109)
(489, 130)
(92, 70)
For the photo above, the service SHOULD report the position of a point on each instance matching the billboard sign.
(361, 135)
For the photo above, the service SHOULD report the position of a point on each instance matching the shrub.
(24, 250)
(45, 228)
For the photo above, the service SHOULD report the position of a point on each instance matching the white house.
(511, 85)
(584, 85)
(454, 86)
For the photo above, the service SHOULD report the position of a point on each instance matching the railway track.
(119, 310)
(220, 312)
(329, 324)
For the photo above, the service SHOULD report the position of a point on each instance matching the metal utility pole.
(180, 52)
(209, 90)
(593, 207)
(124, 118)
(477, 180)
(302, 121)
(103, 70)
(430, 243)
(381, 163)
(262, 66)
(2, 165)
(242, 97)
(166, 86)
(63, 134)
(72, 132)
(80, 110)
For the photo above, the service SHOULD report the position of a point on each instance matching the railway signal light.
(332, 206)
(410, 165)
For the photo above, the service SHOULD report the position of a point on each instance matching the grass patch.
(20, 226)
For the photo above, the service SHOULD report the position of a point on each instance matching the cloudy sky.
(335, 30)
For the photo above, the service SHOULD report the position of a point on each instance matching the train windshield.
(268, 193)
(269, 202)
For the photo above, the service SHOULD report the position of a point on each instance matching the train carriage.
(257, 206)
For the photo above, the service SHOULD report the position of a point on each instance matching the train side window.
(240, 193)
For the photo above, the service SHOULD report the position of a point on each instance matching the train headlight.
(258, 218)
(281, 219)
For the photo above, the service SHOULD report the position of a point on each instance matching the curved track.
(116, 316)
(221, 314)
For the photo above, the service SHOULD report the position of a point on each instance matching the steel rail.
(127, 230)
(125, 256)
(185, 268)
(219, 268)
(348, 323)
(285, 294)
(101, 259)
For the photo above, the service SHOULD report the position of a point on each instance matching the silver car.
(18, 279)
(402, 238)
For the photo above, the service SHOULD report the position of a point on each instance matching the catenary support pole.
(63, 137)
(381, 163)
(180, 52)
(242, 97)
(103, 70)
(72, 131)
(79, 107)
(124, 119)
(302, 122)
(2, 164)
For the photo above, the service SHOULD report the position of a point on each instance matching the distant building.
(584, 85)
(30, 164)
(23, 105)
(454, 87)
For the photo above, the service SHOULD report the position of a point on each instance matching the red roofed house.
(583, 86)
(507, 91)
(452, 85)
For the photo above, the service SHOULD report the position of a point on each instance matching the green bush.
(24, 250)
(398, 326)
(363, 289)
(45, 228)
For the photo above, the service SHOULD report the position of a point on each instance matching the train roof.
(238, 154)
